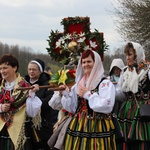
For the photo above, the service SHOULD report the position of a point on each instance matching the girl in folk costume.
(15, 105)
(115, 70)
(134, 89)
(91, 101)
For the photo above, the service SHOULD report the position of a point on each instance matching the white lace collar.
(9, 85)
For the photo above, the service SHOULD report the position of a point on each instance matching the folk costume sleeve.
(69, 100)
(55, 101)
(119, 92)
(103, 100)
(33, 105)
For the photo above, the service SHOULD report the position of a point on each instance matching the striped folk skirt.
(136, 133)
(96, 133)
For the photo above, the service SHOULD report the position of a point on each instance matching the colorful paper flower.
(63, 76)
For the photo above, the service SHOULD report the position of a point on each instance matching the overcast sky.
(28, 23)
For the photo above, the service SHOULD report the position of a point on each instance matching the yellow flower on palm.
(63, 76)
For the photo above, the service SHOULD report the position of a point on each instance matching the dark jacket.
(48, 115)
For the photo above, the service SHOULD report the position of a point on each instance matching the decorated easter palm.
(66, 47)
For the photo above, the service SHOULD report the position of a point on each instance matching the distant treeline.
(26, 54)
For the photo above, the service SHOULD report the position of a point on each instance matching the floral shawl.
(14, 119)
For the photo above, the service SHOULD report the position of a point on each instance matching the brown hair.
(86, 53)
(9, 59)
(129, 47)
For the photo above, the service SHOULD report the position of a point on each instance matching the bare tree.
(133, 21)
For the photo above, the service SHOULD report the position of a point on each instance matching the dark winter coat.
(48, 115)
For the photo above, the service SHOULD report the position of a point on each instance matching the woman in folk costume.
(134, 87)
(15, 105)
(91, 101)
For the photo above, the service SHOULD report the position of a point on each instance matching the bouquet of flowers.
(63, 76)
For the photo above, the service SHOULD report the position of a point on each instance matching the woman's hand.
(5, 107)
(82, 91)
(35, 88)
(65, 87)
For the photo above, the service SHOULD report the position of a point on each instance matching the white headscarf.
(139, 51)
(96, 74)
(131, 79)
(118, 63)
